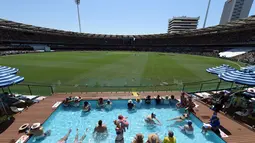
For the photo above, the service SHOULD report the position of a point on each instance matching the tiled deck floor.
(41, 111)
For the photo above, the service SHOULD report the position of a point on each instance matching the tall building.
(178, 24)
(235, 9)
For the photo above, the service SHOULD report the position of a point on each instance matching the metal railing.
(47, 90)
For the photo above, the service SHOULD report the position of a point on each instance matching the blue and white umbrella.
(8, 70)
(9, 79)
(244, 77)
(220, 69)
(249, 68)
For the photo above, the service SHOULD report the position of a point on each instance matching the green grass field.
(119, 71)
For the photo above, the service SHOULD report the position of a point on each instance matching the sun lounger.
(203, 95)
(16, 110)
(55, 106)
(22, 139)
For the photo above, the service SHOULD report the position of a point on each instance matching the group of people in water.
(121, 123)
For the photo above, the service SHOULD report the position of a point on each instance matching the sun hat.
(130, 101)
(35, 126)
(153, 138)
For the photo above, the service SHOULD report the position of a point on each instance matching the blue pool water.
(70, 117)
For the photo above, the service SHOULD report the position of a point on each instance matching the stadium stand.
(206, 41)
(235, 52)
(246, 58)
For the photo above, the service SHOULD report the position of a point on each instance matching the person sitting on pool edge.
(38, 132)
(131, 105)
(77, 100)
(158, 100)
(190, 106)
(86, 106)
(170, 138)
(188, 128)
(100, 128)
(148, 100)
(100, 103)
(67, 101)
(180, 118)
(150, 119)
(213, 125)
(183, 101)
(108, 104)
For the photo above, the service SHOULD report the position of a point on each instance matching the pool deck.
(39, 112)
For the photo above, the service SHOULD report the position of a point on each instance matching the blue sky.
(109, 16)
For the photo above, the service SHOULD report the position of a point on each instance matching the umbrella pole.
(231, 86)
(3, 90)
(217, 88)
(9, 90)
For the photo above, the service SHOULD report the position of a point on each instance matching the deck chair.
(16, 110)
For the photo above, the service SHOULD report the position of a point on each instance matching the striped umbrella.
(220, 69)
(249, 68)
(9, 79)
(245, 77)
(8, 70)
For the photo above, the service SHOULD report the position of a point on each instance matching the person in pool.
(170, 138)
(64, 139)
(123, 122)
(76, 140)
(100, 103)
(150, 119)
(119, 132)
(158, 100)
(138, 103)
(108, 104)
(130, 105)
(86, 106)
(180, 118)
(138, 138)
(100, 128)
(188, 128)
(148, 99)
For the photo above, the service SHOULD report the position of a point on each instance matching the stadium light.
(78, 11)
(207, 11)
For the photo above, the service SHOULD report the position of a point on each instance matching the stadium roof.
(241, 24)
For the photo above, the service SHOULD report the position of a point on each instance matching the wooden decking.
(39, 112)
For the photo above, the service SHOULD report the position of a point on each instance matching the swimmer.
(123, 122)
(100, 103)
(108, 104)
(150, 119)
(180, 118)
(77, 137)
(188, 128)
(100, 128)
(138, 103)
(170, 138)
(148, 99)
(86, 106)
(130, 104)
(64, 139)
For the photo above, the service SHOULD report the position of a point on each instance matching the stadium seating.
(235, 52)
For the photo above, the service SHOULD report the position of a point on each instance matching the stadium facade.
(235, 9)
(179, 24)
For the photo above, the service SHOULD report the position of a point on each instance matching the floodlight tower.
(78, 12)
(207, 11)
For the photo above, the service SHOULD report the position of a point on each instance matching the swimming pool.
(65, 118)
